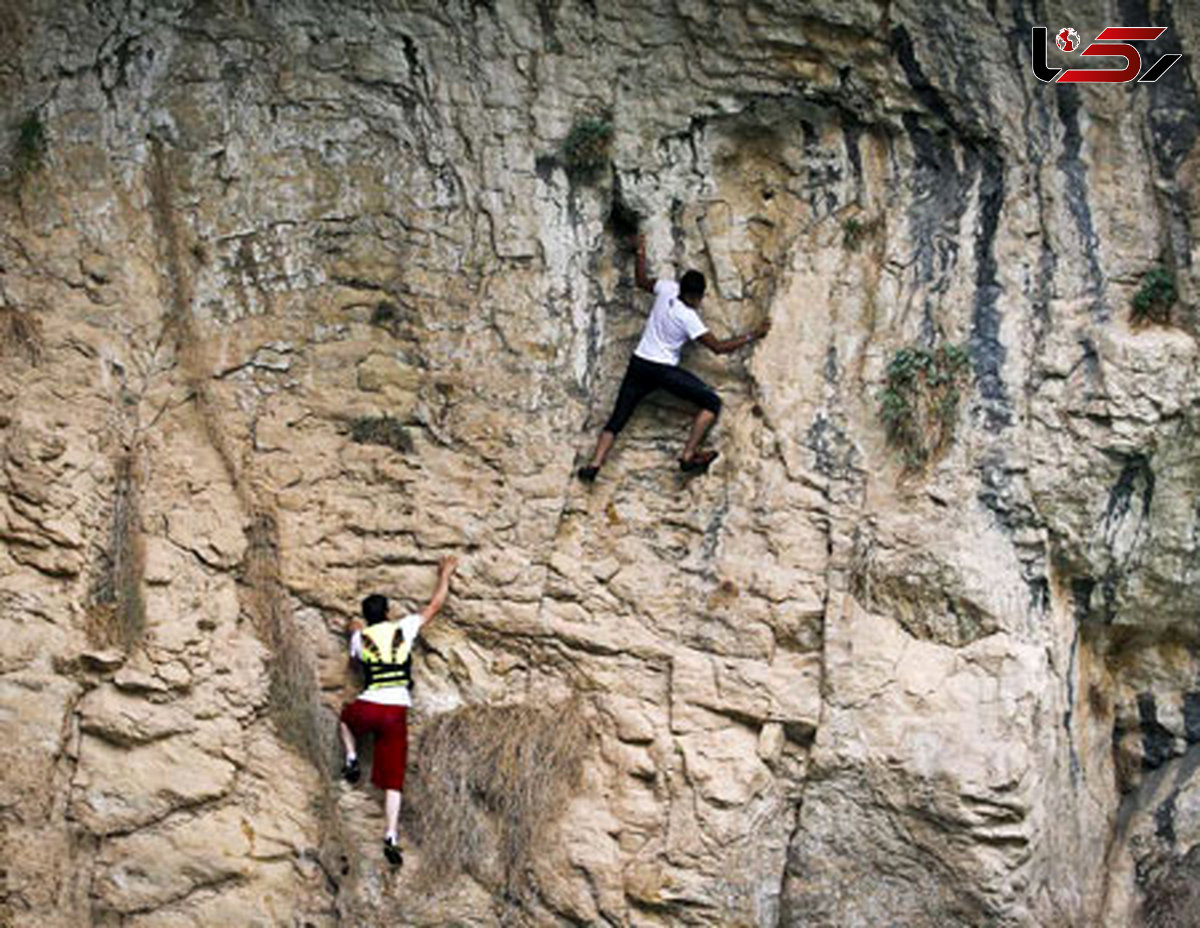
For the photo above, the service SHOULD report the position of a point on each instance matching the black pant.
(643, 377)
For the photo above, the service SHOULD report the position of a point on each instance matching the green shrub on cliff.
(855, 231)
(1156, 296)
(918, 404)
(585, 152)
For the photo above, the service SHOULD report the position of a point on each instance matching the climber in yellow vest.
(384, 649)
(673, 322)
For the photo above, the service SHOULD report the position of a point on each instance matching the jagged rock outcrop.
(297, 296)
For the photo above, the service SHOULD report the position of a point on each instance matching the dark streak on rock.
(831, 365)
(1172, 116)
(1191, 717)
(546, 12)
(1081, 598)
(1075, 174)
(1173, 101)
(937, 200)
(545, 166)
(1069, 714)
(902, 46)
(1164, 819)
(1158, 744)
(1136, 473)
(832, 449)
(415, 68)
(822, 173)
(986, 350)
(852, 134)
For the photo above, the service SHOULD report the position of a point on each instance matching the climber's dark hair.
(692, 283)
(375, 609)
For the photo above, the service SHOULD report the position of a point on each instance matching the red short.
(389, 725)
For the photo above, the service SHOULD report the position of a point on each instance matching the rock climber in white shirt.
(654, 366)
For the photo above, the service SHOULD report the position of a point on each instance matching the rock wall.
(821, 687)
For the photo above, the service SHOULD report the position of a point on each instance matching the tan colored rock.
(154, 867)
(827, 688)
(108, 713)
(117, 789)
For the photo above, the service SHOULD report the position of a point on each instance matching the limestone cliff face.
(819, 687)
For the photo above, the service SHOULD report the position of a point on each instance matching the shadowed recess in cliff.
(488, 783)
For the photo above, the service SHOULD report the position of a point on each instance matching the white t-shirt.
(672, 324)
(410, 625)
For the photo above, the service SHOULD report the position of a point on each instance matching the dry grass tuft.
(295, 702)
(20, 334)
(118, 614)
(487, 785)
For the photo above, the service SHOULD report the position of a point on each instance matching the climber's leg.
(603, 445)
(350, 769)
(688, 386)
(391, 807)
(387, 772)
(348, 741)
(690, 460)
(639, 380)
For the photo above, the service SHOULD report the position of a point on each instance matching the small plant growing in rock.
(381, 430)
(395, 318)
(1155, 297)
(918, 404)
(585, 151)
(855, 231)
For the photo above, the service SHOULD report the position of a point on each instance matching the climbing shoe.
(351, 771)
(391, 850)
(697, 463)
(588, 474)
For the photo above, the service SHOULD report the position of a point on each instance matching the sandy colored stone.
(116, 789)
(826, 689)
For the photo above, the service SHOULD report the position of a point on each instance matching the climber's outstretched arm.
(719, 346)
(643, 280)
(442, 590)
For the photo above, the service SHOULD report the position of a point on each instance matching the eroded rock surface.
(296, 297)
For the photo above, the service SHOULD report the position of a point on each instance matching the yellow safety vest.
(386, 656)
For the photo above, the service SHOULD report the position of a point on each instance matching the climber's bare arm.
(725, 346)
(643, 280)
(442, 590)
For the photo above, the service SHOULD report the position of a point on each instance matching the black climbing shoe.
(697, 463)
(391, 850)
(587, 474)
(351, 771)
